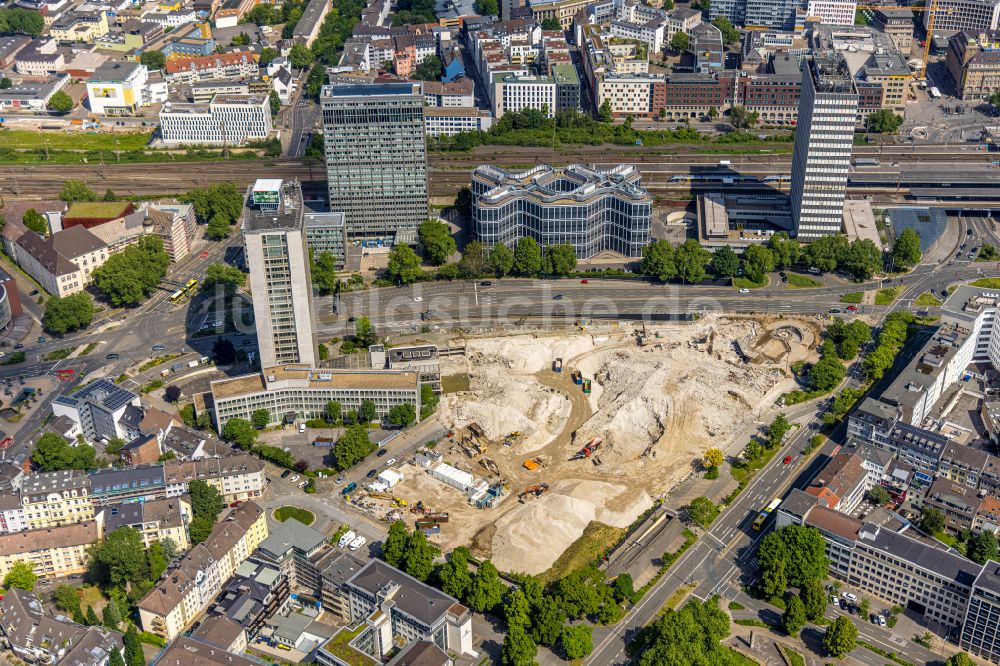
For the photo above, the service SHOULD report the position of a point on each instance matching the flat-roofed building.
(227, 120)
(591, 209)
(897, 24)
(304, 391)
(99, 408)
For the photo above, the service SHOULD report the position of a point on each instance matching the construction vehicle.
(587, 450)
(418, 507)
(477, 430)
(466, 449)
(531, 464)
(586, 386)
(557, 365)
(511, 438)
(536, 490)
(399, 501)
(577, 377)
(382, 496)
(489, 465)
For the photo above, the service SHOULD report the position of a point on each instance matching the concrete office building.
(327, 232)
(590, 209)
(98, 409)
(956, 15)
(376, 158)
(274, 237)
(824, 137)
(838, 12)
(981, 630)
(227, 120)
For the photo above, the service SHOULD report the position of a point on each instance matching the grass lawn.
(746, 473)
(887, 296)
(89, 348)
(109, 209)
(852, 297)
(455, 383)
(283, 513)
(595, 540)
(927, 298)
(988, 283)
(675, 599)
(799, 281)
(793, 657)
(740, 659)
(59, 354)
(16, 138)
(747, 283)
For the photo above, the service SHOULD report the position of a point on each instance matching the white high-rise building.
(824, 137)
(837, 12)
(281, 286)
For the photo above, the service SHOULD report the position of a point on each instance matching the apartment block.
(237, 65)
(62, 263)
(395, 609)
(842, 483)
(238, 478)
(838, 12)
(959, 503)
(35, 636)
(54, 499)
(157, 520)
(79, 26)
(186, 589)
(52, 552)
(231, 120)
(973, 60)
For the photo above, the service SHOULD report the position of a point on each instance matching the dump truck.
(557, 365)
(531, 464)
(577, 377)
(587, 450)
(586, 386)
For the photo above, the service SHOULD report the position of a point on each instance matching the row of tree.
(206, 505)
(533, 614)
(218, 205)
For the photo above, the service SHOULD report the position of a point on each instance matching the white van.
(302, 428)
(357, 543)
(346, 539)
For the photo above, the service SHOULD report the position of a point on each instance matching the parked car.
(372, 473)
(286, 473)
(339, 480)
(834, 600)
(112, 356)
(744, 290)
(294, 478)
(382, 452)
(850, 596)
(390, 462)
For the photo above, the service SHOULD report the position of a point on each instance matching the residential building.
(958, 502)
(396, 609)
(99, 407)
(562, 10)
(54, 499)
(184, 651)
(62, 263)
(10, 46)
(973, 60)
(304, 392)
(824, 138)
(52, 552)
(79, 27)
(274, 238)
(454, 94)
(155, 520)
(204, 92)
(897, 24)
(137, 484)
(842, 483)
(515, 92)
(186, 589)
(227, 120)
(189, 445)
(307, 27)
(256, 593)
(119, 88)
(36, 637)
(220, 631)
(235, 65)
(376, 158)
(593, 210)
(40, 59)
(238, 478)
(837, 12)
(336, 567)
(142, 450)
(958, 15)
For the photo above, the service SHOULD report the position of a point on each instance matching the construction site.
(559, 430)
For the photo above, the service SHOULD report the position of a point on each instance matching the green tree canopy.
(206, 500)
(119, 560)
(690, 258)
(404, 265)
(527, 257)
(679, 42)
(153, 59)
(60, 103)
(130, 276)
(300, 56)
(863, 259)
(801, 549)
(431, 68)
(486, 590)
(68, 313)
(739, 116)
(884, 121)
(487, 8)
(730, 35)
(21, 575)
(76, 190)
(577, 641)
(658, 260)
(501, 259)
(260, 418)
(223, 276)
(959, 659)
(241, 433)
(786, 252)
(906, 252)
(36, 222)
(813, 598)
(841, 637)
(982, 546)
(418, 561)
(221, 199)
(547, 621)
(436, 240)
(53, 453)
(725, 262)
(22, 21)
(758, 261)
(931, 520)
(703, 511)
(402, 415)
(133, 648)
(560, 259)
(691, 635)
(826, 253)
(352, 447)
(454, 575)
(794, 617)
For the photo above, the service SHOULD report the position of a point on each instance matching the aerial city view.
(471, 332)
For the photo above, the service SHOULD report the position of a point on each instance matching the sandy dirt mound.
(532, 536)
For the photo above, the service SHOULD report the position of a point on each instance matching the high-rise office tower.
(376, 158)
(274, 238)
(821, 159)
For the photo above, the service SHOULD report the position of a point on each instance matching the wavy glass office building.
(590, 209)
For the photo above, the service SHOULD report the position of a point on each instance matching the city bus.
(177, 296)
(191, 284)
(763, 515)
